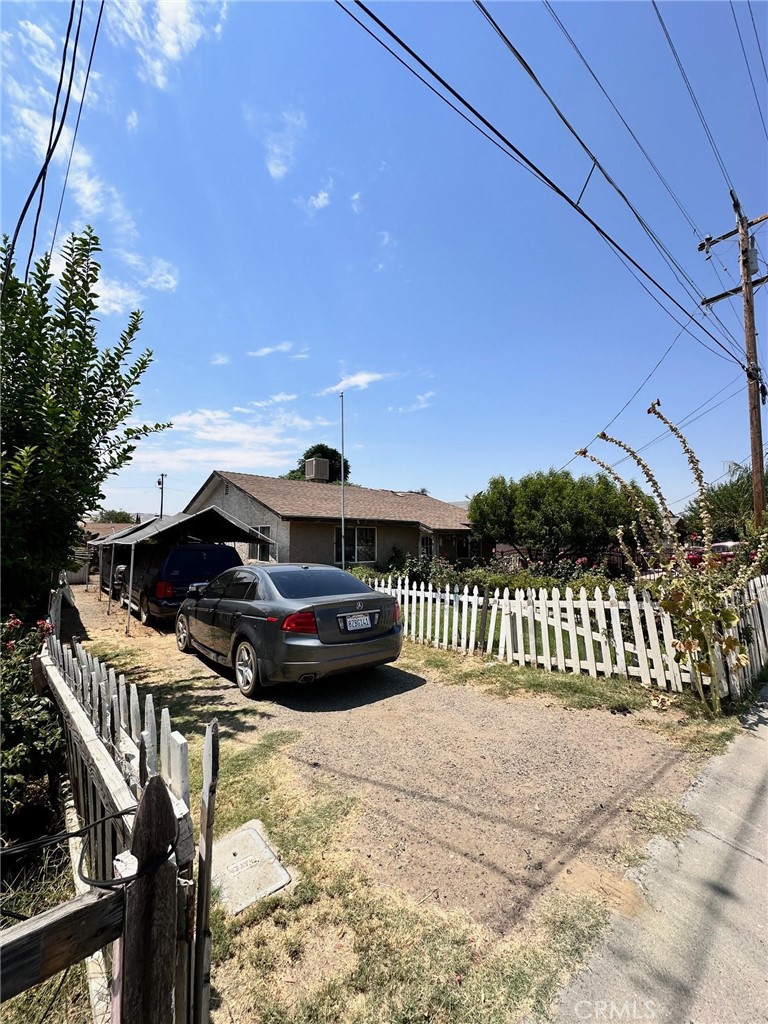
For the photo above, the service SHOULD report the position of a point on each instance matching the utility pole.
(161, 485)
(343, 536)
(756, 388)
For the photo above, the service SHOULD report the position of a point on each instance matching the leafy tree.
(552, 514)
(65, 403)
(320, 451)
(111, 515)
(729, 504)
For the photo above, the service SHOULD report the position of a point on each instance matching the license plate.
(358, 622)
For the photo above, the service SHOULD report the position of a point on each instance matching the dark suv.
(162, 575)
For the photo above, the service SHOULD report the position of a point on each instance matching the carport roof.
(210, 525)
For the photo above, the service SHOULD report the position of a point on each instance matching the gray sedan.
(289, 623)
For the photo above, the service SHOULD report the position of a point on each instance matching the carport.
(209, 526)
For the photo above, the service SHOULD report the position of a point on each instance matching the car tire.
(145, 616)
(123, 596)
(247, 671)
(182, 634)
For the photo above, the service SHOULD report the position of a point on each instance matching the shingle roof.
(296, 499)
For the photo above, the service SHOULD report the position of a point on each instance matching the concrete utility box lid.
(246, 868)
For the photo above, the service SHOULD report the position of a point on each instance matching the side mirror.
(195, 591)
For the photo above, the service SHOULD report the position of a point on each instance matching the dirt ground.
(465, 800)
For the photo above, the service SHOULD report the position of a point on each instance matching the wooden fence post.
(145, 955)
(201, 997)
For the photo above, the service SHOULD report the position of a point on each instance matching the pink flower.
(10, 646)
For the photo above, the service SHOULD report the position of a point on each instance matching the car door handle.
(236, 616)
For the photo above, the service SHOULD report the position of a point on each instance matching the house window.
(359, 544)
(258, 549)
(427, 546)
(462, 545)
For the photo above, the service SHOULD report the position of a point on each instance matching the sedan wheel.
(182, 634)
(246, 669)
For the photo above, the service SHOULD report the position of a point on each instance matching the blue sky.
(296, 214)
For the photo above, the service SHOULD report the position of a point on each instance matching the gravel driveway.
(464, 799)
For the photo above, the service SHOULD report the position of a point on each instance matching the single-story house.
(303, 520)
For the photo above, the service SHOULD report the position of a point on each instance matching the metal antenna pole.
(343, 536)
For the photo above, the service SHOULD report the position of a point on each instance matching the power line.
(520, 156)
(749, 70)
(716, 480)
(673, 264)
(757, 39)
(695, 102)
(77, 123)
(673, 195)
(637, 141)
(691, 417)
(31, 196)
(53, 123)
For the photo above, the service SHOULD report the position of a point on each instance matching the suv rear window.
(201, 562)
(316, 583)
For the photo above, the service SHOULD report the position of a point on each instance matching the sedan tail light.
(300, 622)
(397, 612)
(163, 590)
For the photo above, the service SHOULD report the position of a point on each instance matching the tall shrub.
(700, 598)
(65, 405)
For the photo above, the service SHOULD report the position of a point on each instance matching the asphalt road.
(698, 953)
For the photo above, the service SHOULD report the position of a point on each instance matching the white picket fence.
(594, 635)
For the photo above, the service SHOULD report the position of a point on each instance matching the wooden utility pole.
(755, 385)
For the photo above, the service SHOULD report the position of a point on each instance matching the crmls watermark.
(611, 1010)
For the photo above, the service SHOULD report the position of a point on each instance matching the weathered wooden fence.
(599, 635)
(131, 793)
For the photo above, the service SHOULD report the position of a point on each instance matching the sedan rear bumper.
(305, 658)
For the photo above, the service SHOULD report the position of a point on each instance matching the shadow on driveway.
(344, 692)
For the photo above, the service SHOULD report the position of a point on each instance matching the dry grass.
(44, 883)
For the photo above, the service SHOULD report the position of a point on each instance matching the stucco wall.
(314, 542)
(250, 511)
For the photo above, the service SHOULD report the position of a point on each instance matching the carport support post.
(101, 567)
(130, 592)
(111, 577)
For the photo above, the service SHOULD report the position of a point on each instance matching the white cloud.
(240, 439)
(356, 202)
(281, 145)
(275, 400)
(284, 346)
(422, 402)
(116, 296)
(303, 354)
(219, 360)
(320, 201)
(163, 33)
(154, 273)
(132, 121)
(388, 244)
(358, 381)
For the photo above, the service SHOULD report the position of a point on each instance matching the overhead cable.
(749, 70)
(77, 123)
(757, 39)
(41, 195)
(695, 102)
(48, 157)
(519, 156)
(674, 265)
(673, 195)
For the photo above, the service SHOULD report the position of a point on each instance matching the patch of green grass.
(505, 680)
(661, 817)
